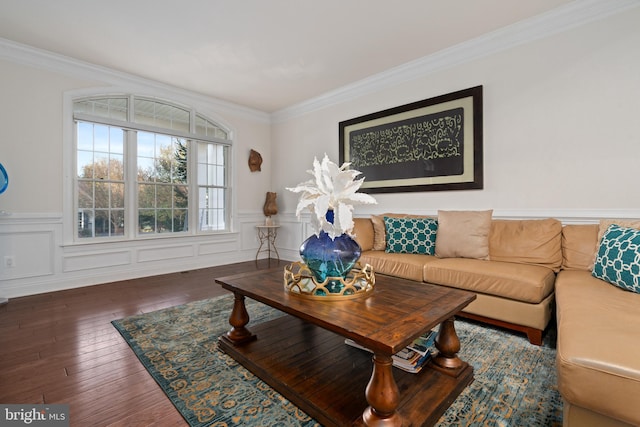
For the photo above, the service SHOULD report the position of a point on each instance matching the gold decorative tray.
(299, 281)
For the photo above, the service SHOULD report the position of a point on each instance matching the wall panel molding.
(45, 264)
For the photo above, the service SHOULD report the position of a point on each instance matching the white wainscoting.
(25, 252)
(42, 263)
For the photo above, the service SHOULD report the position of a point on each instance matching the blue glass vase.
(330, 258)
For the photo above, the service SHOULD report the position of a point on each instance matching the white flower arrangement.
(332, 188)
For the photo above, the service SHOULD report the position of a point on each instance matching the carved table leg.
(382, 395)
(448, 345)
(238, 319)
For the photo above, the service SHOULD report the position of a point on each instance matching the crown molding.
(564, 18)
(574, 14)
(38, 58)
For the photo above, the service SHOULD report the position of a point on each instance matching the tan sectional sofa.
(598, 358)
(514, 287)
(532, 267)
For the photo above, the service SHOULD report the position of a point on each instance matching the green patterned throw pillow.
(618, 259)
(411, 235)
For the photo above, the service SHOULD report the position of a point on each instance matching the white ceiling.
(263, 54)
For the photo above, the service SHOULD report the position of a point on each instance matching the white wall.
(561, 131)
(33, 138)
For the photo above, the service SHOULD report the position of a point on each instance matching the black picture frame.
(429, 145)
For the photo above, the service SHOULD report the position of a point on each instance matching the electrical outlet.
(9, 261)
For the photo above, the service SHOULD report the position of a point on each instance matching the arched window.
(145, 167)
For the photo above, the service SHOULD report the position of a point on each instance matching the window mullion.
(192, 185)
(131, 182)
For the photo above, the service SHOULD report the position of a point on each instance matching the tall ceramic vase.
(328, 257)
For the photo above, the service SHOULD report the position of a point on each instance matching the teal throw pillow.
(411, 235)
(618, 259)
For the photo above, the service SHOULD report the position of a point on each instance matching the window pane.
(163, 145)
(117, 222)
(144, 112)
(102, 195)
(146, 144)
(220, 176)
(212, 219)
(85, 136)
(161, 114)
(163, 170)
(117, 195)
(116, 167)
(211, 214)
(164, 158)
(164, 196)
(146, 196)
(165, 221)
(203, 152)
(116, 140)
(221, 152)
(85, 194)
(101, 166)
(221, 199)
(201, 126)
(212, 175)
(115, 108)
(202, 174)
(147, 220)
(180, 174)
(101, 138)
(85, 164)
(208, 128)
(180, 120)
(180, 220)
(211, 164)
(102, 221)
(181, 196)
(146, 169)
(85, 223)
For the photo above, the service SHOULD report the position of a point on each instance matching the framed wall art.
(429, 145)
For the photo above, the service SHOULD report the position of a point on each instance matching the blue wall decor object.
(4, 179)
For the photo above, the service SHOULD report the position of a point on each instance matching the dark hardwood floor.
(60, 347)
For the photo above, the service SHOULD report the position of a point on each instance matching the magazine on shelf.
(411, 358)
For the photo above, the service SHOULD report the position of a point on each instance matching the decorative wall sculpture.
(255, 161)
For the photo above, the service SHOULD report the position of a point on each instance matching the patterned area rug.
(515, 382)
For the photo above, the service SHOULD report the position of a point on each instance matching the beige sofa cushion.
(379, 233)
(521, 282)
(579, 243)
(463, 234)
(536, 242)
(406, 266)
(363, 233)
(598, 355)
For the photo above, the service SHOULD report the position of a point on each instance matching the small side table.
(267, 235)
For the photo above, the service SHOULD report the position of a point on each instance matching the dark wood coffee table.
(303, 355)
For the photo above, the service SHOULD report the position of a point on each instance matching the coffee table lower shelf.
(326, 378)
